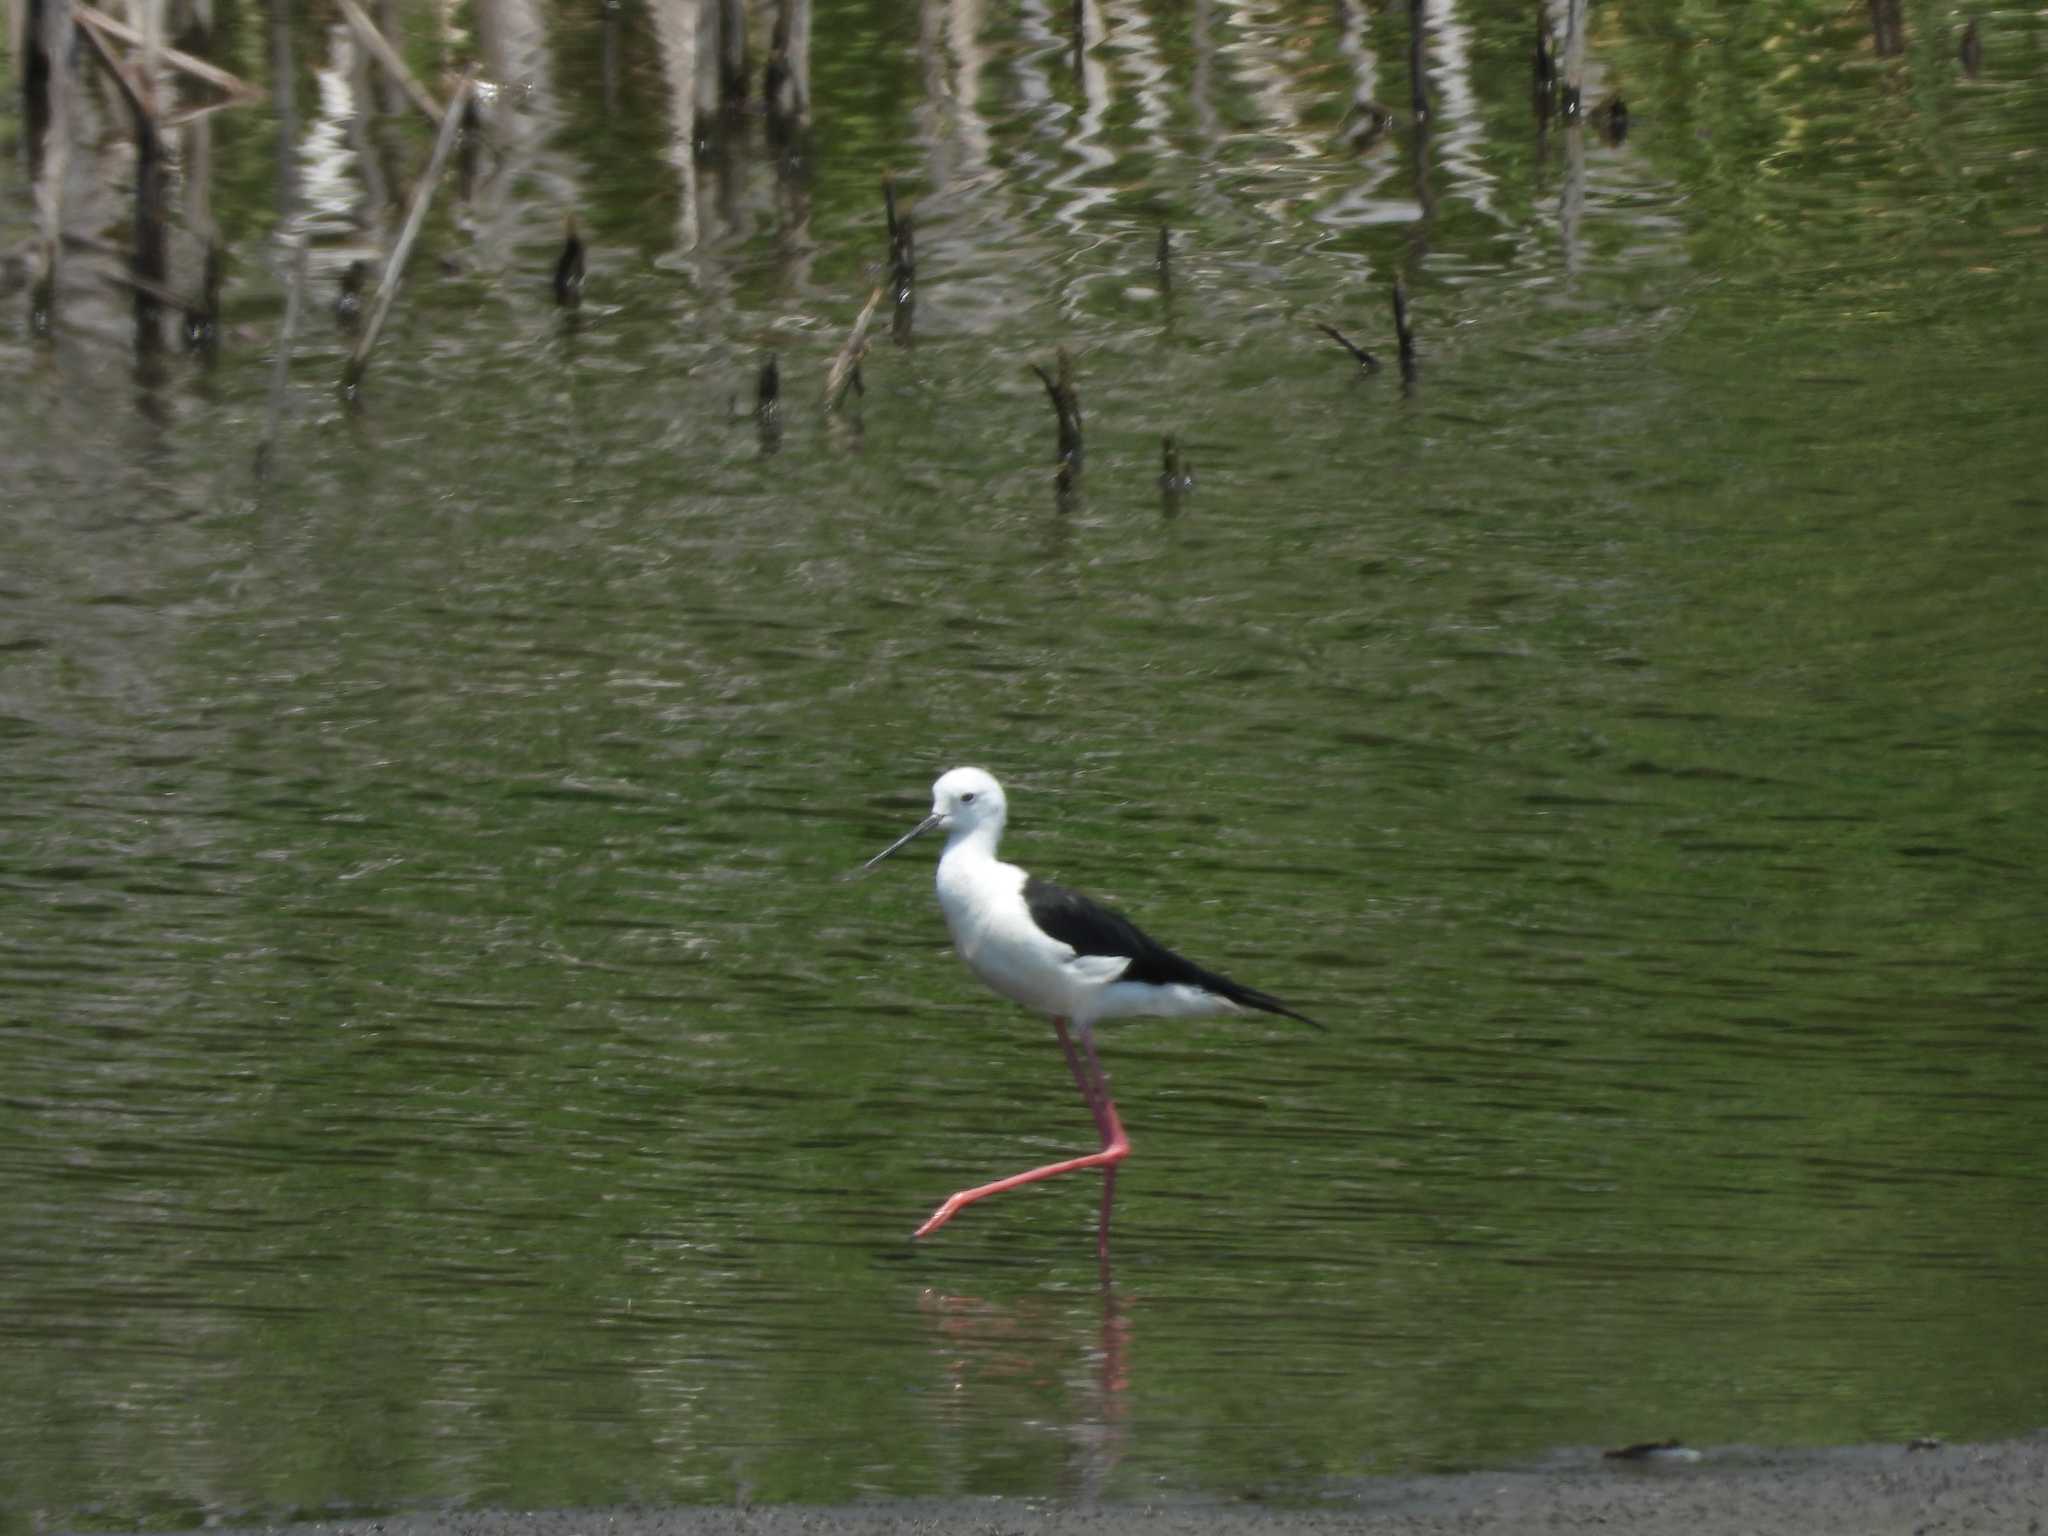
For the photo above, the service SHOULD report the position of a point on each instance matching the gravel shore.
(1998, 1488)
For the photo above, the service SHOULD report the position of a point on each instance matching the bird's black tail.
(1265, 1002)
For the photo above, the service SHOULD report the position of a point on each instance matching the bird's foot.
(941, 1216)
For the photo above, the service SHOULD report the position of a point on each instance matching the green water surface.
(442, 1060)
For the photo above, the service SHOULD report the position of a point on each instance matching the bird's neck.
(972, 845)
(972, 882)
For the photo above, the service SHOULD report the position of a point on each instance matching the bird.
(1061, 954)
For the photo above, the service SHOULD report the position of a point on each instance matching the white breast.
(983, 900)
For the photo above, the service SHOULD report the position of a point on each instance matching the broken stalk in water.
(415, 216)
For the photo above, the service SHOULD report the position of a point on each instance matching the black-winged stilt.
(1062, 955)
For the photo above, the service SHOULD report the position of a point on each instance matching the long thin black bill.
(917, 831)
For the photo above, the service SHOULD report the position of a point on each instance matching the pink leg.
(1093, 1087)
(1096, 1088)
(1115, 1145)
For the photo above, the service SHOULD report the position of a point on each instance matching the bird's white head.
(964, 801)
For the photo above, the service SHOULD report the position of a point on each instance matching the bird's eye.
(968, 798)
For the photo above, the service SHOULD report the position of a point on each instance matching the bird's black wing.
(1093, 929)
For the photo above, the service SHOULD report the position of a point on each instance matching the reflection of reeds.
(151, 249)
(768, 406)
(285, 108)
(676, 35)
(845, 369)
(29, 42)
(786, 78)
(235, 91)
(202, 315)
(1543, 68)
(1363, 358)
(348, 303)
(1574, 64)
(732, 55)
(1066, 404)
(1418, 82)
(393, 66)
(135, 77)
(294, 301)
(1612, 120)
(960, 192)
(902, 263)
(1174, 480)
(415, 215)
(1406, 335)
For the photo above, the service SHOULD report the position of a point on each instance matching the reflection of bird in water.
(348, 304)
(1045, 1345)
(569, 267)
(1059, 953)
